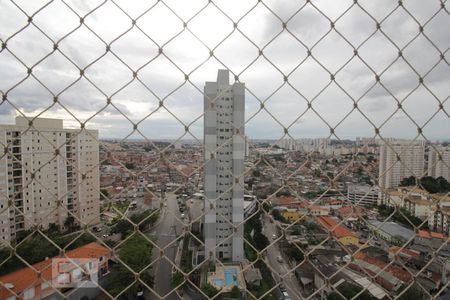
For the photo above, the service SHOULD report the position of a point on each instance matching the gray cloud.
(262, 79)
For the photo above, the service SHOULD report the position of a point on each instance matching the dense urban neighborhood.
(321, 219)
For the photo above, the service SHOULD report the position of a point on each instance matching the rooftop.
(332, 225)
(25, 278)
(393, 229)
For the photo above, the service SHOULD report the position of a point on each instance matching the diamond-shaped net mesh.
(140, 193)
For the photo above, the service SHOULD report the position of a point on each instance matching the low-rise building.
(346, 212)
(363, 195)
(316, 210)
(389, 276)
(252, 275)
(417, 206)
(26, 283)
(420, 203)
(433, 240)
(439, 220)
(391, 231)
(404, 253)
(341, 233)
(291, 214)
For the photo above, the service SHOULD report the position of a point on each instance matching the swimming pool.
(218, 282)
(230, 275)
(228, 280)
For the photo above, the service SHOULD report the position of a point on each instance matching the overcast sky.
(135, 48)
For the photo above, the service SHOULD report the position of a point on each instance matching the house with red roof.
(43, 278)
(389, 276)
(339, 231)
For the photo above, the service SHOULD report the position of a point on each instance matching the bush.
(209, 290)
(177, 279)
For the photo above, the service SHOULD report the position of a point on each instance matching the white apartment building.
(439, 162)
(46, 165)
(439, 220)
(399, 160)
(432, 207)
(320, 145)
(363, 195)
(224, 139)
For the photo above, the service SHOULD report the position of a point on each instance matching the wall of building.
(224, 139)
(47, 165)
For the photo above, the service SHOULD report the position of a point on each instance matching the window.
(29, 293)
(45, 285)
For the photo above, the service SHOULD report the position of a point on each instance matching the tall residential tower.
(400, 159)
(46, 164)
(439, 162)
(224, 139)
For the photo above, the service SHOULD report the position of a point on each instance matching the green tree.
(103, 194)
(144, 219)
(292, 251)
(349, 291)
(36, 248)
(130, 166)
(277, 215)
(52, 229)
(135, 253)
(444, 185)
(177, 279)
(317, 173)
(124, 227)
(235, 293)
(209, 290)
(256, 173)
(70, 225)
(412, 292)
(284, 192)
(428, 183)
(21, 235)
(260, 241)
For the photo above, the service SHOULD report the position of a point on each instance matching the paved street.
(165, 232)
(289, 281)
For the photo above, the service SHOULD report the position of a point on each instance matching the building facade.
(400, 160)
(224, 139)
(439, 162)
(363, 195)
(47, 164)
(439, 220)
(87, 263)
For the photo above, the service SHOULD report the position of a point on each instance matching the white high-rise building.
(400, 159)
(439, 166)
(47, 172)
(224, 139)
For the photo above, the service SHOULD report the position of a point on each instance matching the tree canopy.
(428, 183)
(135, 252)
